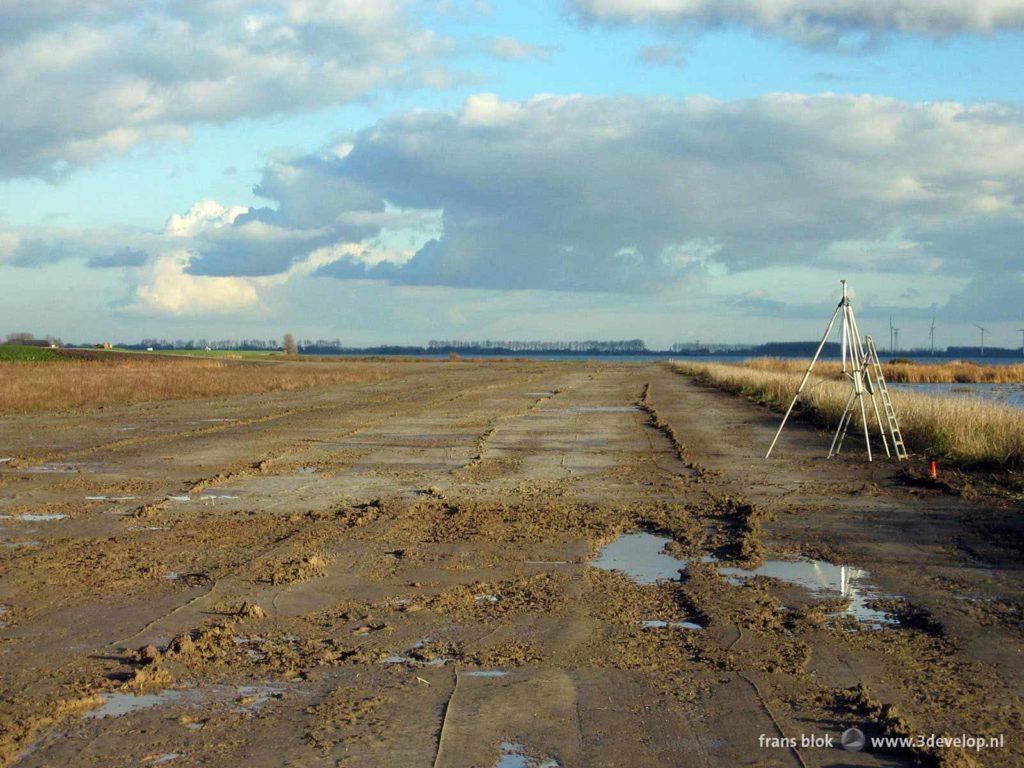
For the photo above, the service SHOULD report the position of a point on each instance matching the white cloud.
(80, 80)
(639, 195)
(164, 287)
(514, 49)
(818, 22)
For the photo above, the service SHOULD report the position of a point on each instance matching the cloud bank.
(637, 195)
(83, 79)
(634, 196)
(816, 22)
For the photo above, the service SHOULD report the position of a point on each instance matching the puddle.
(172, 575)
(546, 562)
(659, 624)
(110, 498)
(486, 599)
(823, 580)
(307, 470)
(513, 756)
(118, 704)
(640, 556)
(209, 496)
(486, 673)
(36, 518)
(408, 658)
(596, 409)
(22, 544)
(216, 420)
(166, 758)
(55, 469)
(540, 394)
(5, 459)
(252, 697)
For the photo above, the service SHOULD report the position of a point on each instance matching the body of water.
(1010, 394)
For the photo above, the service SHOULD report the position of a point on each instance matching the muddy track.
(402, 575)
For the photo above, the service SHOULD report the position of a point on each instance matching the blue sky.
(441, 124)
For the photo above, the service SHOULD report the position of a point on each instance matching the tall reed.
(966, 431)
(960, 371)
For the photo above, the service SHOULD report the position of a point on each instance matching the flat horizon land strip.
(55, 381)
(971, 433)
(909, 372)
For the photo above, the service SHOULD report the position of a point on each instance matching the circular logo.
(852, 740)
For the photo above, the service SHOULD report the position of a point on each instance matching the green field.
(12, 353)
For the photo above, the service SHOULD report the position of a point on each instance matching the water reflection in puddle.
(166, 758)
(110, 498)
(659, 624)
(486, 673)
(116, 704)
(514, 756)
(540, 394)
(35, 518)
(412, 660)
(208, 496)
(641, 557)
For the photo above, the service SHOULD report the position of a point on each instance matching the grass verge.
(32, 385)
(970, 433)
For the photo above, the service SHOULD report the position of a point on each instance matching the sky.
(389, 172)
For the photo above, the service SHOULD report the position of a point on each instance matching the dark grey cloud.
(814, 22)
(121, 257)
(81, 79)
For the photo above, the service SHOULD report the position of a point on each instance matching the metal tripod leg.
(841, 429)
(872, 389)
(864, 418)
(807, 375)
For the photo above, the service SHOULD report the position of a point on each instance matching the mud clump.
(252, 611)
(533, 594)
(299, 570)
(514, 653)
(345, 716)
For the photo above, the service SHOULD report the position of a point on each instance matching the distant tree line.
(629, 347)
(252, 345)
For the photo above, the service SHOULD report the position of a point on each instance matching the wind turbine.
(892, 345)
(897, 332)
(1021, 341)
(983, 332)
(931, 334)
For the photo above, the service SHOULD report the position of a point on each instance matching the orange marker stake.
(933, 470)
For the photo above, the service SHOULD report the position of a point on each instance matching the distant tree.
(290, 347)
(14, 338)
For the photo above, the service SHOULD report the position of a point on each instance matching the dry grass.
(113, 379)
(961, 372)
(967, 432)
